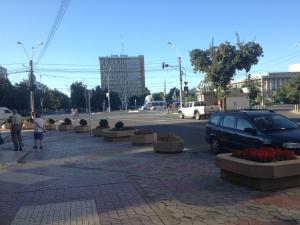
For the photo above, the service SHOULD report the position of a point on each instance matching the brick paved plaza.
(79, 179)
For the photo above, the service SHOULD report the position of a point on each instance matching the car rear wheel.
(181, 116)
(197, 116)
(215, 146)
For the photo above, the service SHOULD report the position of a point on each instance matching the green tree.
(254, 88)
(288, 91)
(158, 96)
(248, 54)
(77, 95)
(115, 101)
(218, 64)
(172, 95)
(97, 98)
(139, 100)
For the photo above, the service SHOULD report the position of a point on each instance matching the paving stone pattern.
(86, 177)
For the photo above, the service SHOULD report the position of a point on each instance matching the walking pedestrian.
(15, 131)
(39, 128)
(76, 114)
(72, 113)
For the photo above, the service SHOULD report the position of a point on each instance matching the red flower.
(265, 154)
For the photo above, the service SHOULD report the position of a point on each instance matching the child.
(38, 131)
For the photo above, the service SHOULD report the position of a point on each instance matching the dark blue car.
(230, 130)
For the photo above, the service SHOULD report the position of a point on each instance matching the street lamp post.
(180, 71)
(31, 76)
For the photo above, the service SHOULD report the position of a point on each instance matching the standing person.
(76, 114)
(39, 128)
(15, 130)
(72, 113)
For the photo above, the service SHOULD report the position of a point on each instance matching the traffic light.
(186, 91)
(164, 65)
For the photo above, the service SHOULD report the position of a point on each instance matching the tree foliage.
(219, 63)
(288, 91)
(159, 96)
(254, 88)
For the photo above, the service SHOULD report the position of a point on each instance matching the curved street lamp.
(31, 75)
(180, 71)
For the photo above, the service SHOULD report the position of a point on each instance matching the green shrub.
(83, 122)
(119, 125)
(51, 121)
(67, 121)
(103, 123)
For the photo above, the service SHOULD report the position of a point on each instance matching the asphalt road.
(192, 131)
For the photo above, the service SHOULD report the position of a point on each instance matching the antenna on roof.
(122, 45)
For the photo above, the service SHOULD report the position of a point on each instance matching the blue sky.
(93, 28)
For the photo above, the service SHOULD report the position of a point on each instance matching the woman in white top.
(39, 127)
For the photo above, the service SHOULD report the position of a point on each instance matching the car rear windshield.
(273, 122)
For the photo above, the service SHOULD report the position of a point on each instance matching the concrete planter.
(259, 176)
(50, 126)
(63, 127)
(98, 132)
(82, 129)
(115, 136)
(175, 146)
(145, 139)
(27, 125)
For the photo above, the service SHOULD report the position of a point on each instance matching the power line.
(59, 16)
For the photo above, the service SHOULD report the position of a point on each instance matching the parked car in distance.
(197, 110)
(230, 130)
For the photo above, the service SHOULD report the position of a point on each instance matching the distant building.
(124, 75)
(269, 83)
(3, 72)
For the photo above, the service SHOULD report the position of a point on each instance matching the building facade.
(123, 74)
(3, 72)
(269, 83)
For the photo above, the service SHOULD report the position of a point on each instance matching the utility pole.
(89, 100)
(180, 78)
(108, 88)
(165, 92)
(31, 87)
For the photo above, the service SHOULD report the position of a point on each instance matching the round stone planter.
(115, 136)
(259, 176)
(50, 126)
(82, 129)
(97, 132)
(169, 146)
(144, 139)
(27, 125)
(63, 127)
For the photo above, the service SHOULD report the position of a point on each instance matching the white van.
(154, 105)
(5, 113)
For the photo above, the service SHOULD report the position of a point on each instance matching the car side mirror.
(251, 131)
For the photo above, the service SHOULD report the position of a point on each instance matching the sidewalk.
(79, 179)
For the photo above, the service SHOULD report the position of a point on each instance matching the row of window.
(230, 122)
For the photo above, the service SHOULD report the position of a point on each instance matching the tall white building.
(3, 72)
(123, 74)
